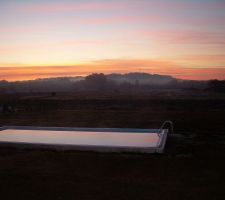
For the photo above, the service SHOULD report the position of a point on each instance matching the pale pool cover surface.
(110, 139)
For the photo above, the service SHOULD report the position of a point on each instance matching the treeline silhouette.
(135, 82)
(217, 86)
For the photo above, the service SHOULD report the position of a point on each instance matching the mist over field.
(133, 82)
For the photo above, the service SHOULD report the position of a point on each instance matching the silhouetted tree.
(96, 81)
(217, 86)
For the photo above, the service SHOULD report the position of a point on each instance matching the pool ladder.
(171, 126)
(170, 123)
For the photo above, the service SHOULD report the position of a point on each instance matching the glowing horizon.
(51, 38)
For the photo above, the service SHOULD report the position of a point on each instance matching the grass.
(192, 166)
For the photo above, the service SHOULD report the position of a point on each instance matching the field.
(192, 166)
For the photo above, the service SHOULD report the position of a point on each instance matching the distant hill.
(142, 78)
(131, 81)
(129, 77)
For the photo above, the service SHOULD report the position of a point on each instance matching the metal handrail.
(170, 124)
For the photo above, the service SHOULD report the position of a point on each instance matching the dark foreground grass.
(192, 166)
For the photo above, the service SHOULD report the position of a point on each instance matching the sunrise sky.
(50, 38)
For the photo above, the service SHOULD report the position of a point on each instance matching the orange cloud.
(205, 58)
(186, 37)
(113, 66)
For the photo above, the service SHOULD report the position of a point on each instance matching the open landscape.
(77, 74)
(192, 166)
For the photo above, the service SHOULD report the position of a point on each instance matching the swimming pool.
(94, 139)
